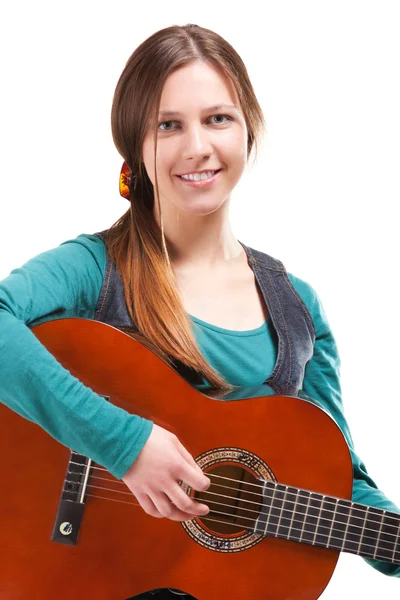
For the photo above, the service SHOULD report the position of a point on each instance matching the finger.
(197, 481)
(190, 460)
(187, 504)
(148, 505)
(167, 508)
(187, 456)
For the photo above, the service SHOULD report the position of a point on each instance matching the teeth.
(198, 176)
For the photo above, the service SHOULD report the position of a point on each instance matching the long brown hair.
(135, 241)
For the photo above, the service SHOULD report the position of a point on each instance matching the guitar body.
(121, 551)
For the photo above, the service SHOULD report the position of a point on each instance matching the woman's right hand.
(153, 478)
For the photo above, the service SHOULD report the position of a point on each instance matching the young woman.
(170, 271)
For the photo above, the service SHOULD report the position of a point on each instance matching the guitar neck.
(307, 517)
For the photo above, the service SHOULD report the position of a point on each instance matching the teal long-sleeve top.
(65, 282)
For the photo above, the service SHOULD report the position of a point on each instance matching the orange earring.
(125, 180)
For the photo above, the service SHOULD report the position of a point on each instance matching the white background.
(322, 197)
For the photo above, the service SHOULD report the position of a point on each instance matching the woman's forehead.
(198, 86)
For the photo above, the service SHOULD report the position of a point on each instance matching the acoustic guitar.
(281, 482)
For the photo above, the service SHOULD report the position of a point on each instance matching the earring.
(125, 180)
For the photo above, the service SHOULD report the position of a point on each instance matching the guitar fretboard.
(310, 518)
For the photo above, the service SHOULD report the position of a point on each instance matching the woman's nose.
(197, 142)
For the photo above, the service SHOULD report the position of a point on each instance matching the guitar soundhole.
(234, 498)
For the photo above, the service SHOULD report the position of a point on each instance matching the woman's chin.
(202, 208)
(191, 207)
(202, 204)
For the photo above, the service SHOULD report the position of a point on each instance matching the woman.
(171, 272)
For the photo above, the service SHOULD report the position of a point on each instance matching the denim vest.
(290, 318)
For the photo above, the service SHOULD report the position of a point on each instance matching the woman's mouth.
(200, 182)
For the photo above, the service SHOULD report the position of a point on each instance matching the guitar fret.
(275, 512)
(278, 533)
(318, 521)
(326, 521)
(379, 535)
(293, 514)
(352, 530)
(305, 516)
(339, 525)
(362, 530)
(335, 500)
(271, 497)
(287, 512)
(300, 508)
(311, 518)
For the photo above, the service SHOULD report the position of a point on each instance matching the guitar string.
(257, 485)
(367, 553)
(242, 500)
(248, 492)
(397, 527)
(261, 487)
(395, 515)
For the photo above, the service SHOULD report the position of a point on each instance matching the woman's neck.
(204, 241)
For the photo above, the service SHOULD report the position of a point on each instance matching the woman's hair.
(135, 241)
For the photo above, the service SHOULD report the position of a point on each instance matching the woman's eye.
(163, 123)
(212, 117)
(226, 117)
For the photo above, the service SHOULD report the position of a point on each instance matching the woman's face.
(196, 139)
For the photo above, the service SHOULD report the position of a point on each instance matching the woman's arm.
(62, 282)
(322, 382)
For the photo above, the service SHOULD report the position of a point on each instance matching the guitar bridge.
(72, 501)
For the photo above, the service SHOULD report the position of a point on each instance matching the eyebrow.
(174, 113)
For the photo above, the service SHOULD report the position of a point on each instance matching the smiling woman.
(200, 79)
(171, 274)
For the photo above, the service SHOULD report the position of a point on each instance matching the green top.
(65, 282)
(242, 357)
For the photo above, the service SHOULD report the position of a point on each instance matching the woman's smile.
(200, 182)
